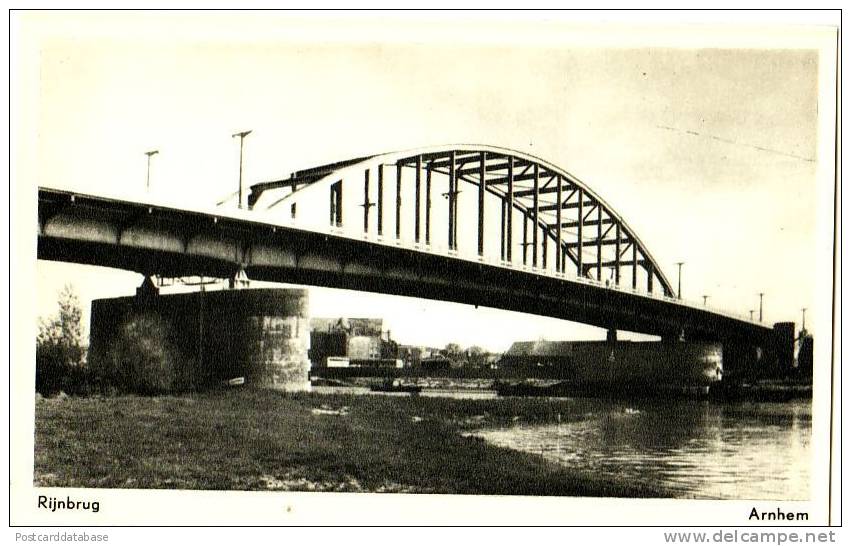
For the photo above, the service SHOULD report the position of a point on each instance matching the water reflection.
(695, 449)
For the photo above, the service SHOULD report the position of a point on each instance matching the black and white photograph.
(389, 268)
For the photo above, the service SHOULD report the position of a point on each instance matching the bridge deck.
(156, 239)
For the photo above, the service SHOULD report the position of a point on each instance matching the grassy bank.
(267, 440)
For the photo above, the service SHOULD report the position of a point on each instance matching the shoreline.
(756, 391)
(262, 440)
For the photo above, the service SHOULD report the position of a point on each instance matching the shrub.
(60, 355)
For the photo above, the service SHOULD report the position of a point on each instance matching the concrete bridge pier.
(675, 337)
(783, 350)
(768, 358)
(742, 360)
(173, 343)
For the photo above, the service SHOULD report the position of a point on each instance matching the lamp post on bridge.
(148, 176)
(241, 136)
(804, 319)
(761, 294)
(680, 280)
(751, 312)
(705, 297)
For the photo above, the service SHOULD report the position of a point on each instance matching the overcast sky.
(711, 151)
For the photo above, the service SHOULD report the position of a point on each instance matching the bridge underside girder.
(170, 242)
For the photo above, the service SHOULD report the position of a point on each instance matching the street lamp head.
(149, 153)
(242, 134)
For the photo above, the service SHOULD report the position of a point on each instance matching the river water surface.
(694, 449)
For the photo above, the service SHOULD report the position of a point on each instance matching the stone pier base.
(185, 342)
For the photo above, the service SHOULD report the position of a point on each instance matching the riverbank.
(762, 391)
(246, 439)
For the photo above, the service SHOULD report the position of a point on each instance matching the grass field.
(248, 439)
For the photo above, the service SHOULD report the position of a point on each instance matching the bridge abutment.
(154, 343)
(772, 357)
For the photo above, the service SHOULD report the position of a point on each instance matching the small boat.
(395, 386)
(329, 382)
(235, 382)
(527, 389)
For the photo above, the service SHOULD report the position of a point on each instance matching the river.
(695, 449)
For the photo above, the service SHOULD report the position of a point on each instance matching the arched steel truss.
(555, 207)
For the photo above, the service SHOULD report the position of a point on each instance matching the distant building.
(352, 326)
(436, 363)
(492, 360)
(351, 341)
(413, 355)
(539, 353)
(364, 347)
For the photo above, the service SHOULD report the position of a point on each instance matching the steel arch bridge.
(529, 237)
(547, 218)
